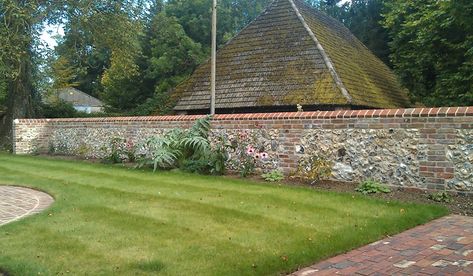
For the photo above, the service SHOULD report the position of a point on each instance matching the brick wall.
(422, 147)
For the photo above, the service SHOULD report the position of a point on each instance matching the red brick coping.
(372, 113)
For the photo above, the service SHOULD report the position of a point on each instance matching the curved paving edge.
(441, 247)
(18, 202)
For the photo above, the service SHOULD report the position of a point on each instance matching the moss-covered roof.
(292, 54)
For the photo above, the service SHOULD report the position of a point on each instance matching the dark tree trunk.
(19, 101)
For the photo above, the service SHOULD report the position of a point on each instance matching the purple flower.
(264, 155)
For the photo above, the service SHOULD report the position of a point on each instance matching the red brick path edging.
(441, 247)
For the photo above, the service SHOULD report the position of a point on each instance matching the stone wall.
(428, 148)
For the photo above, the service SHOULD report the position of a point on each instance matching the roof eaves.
(326, 58)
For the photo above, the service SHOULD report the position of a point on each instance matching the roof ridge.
(326, 58)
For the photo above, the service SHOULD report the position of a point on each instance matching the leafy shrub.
(273, 176)
(189, 150)
(313, 169)
(58, 109)
(200, 166)
(218, 156)
(372, 187)
(121, 151)
(440, 197)
(162, 152)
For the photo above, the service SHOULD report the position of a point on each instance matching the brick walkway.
(17, 203)
(441, 247)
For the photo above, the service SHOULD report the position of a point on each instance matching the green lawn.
(109, 220)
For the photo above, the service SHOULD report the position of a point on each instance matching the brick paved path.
(17, 203)
(441, 247)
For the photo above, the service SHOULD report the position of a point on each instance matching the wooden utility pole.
(214, 57)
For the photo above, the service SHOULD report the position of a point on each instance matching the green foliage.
(364, 19)
(372, 187)
(442, 197)
(3, 94)
(58, 109)
(100, 51)
(432, 49)
(313, 169)
(170, 58)
(162, 152)
(189, 150)
(63, 73)
(247, 166)
(195, 17)
(121, 151)
(273, 176)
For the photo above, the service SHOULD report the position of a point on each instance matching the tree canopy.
(432, 49)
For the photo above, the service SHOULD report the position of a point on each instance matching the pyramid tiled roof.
(293, 54)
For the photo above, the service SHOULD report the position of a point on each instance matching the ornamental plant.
(189, 150)
(273, 176)
(372, 187)
(121, 150)
(313, 168)
(247, 156)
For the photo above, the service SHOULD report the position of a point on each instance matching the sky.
(51, 31)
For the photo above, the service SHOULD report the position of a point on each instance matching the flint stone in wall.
(390, 156)
(95, 142)
(461, 155)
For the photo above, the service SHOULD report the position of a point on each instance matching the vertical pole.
(214, 57)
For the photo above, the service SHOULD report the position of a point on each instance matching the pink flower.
(264, 155)
(250, 150)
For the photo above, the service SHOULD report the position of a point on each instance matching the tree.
(102, 46)
(432, 49)
(20, 21)
(64, 74)
(364, 19)
(171, 57)
(195, 17)
(3, 94)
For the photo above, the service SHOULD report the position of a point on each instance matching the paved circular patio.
(17, 203)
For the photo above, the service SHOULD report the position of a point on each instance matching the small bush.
(121, 151)
(443, 197)
(372, 187)
(200, 166)
(189, 150)
(313, 169)
(273, 176)
(59, 109)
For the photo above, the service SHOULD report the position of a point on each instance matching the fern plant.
(161, 151)
(195, 143)
(187, 149)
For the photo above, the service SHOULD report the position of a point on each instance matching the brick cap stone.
(373, 113)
